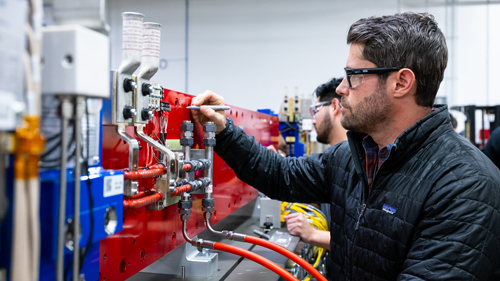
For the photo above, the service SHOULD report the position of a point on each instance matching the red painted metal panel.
(149, 235)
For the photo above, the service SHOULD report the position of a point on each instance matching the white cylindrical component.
(150, 50)
(131, 42)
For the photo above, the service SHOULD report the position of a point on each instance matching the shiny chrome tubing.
(66, 113)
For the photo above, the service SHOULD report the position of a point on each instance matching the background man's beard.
(324, 130)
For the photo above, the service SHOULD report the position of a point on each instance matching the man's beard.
(368, 114)
(324, 129)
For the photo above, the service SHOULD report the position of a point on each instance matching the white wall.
(250, 50)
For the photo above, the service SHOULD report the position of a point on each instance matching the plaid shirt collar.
(374, 157)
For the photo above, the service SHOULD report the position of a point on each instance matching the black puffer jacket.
(433, 212)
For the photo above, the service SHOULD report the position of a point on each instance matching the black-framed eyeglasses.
(355, 75)
(315, 107)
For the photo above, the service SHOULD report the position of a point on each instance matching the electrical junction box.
(75, 61)
(270, 211)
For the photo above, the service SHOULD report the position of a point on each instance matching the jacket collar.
(417, 136)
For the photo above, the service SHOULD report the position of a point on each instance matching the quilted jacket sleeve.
(285, 178)
(456, 238)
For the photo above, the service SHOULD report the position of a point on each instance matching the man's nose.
(343, 88)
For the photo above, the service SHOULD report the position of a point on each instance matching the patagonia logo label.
(389, 209)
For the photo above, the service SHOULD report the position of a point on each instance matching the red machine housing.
(149, 235)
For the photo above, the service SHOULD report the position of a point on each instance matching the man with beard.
(326, 120)
(410, 199)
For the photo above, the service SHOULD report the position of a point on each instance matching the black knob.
(129, 85)
(128, 112)
(147, 89)
(146, 114)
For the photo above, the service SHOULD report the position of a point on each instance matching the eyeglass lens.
(354, 79)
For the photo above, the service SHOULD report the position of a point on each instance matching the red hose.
(158, 166)
(134, 175)
(140, 194)
(256, 258)
(186, 167)
(137, 203)
(181, 189)
(287, 253)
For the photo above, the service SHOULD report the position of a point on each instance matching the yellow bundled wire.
(317, 220)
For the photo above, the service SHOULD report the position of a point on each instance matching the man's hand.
(207, 114)
(273, 149)
(298, 225)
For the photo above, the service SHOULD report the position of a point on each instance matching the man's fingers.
(207, 98)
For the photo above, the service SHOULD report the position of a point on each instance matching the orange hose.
(186, 167)
(256, 258)
(134, 175)
(137, 203)
(181, 189)
(140, 194)
(287, 253)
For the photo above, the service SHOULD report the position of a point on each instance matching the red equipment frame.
(149, 235)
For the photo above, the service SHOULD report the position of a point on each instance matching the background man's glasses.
(355, 75)
(316, 107)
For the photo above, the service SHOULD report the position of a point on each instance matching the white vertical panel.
(494, 55)
(471, 55)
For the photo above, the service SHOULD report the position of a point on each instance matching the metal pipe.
(184, 233)
(209, 154)
(209, 142)
(139, 131)
(66, 113)
(133, 158)
(133, 147)
(76, 176)
(186, 150)
(209, 227)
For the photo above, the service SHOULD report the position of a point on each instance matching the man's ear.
(404, 82)
(335, 105)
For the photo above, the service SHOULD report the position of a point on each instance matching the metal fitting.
(203, 244)
(208, 202)
(205, 163)
(187, 134)
(209, 127)
(185, 204)
(195, 185)
(208, 209)
(165, 106)
(181, 182)
(185, 217)
(187, 141)
(185, 211)
(209, 142)
(209, 135)
(186, 126)
(204, 181)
